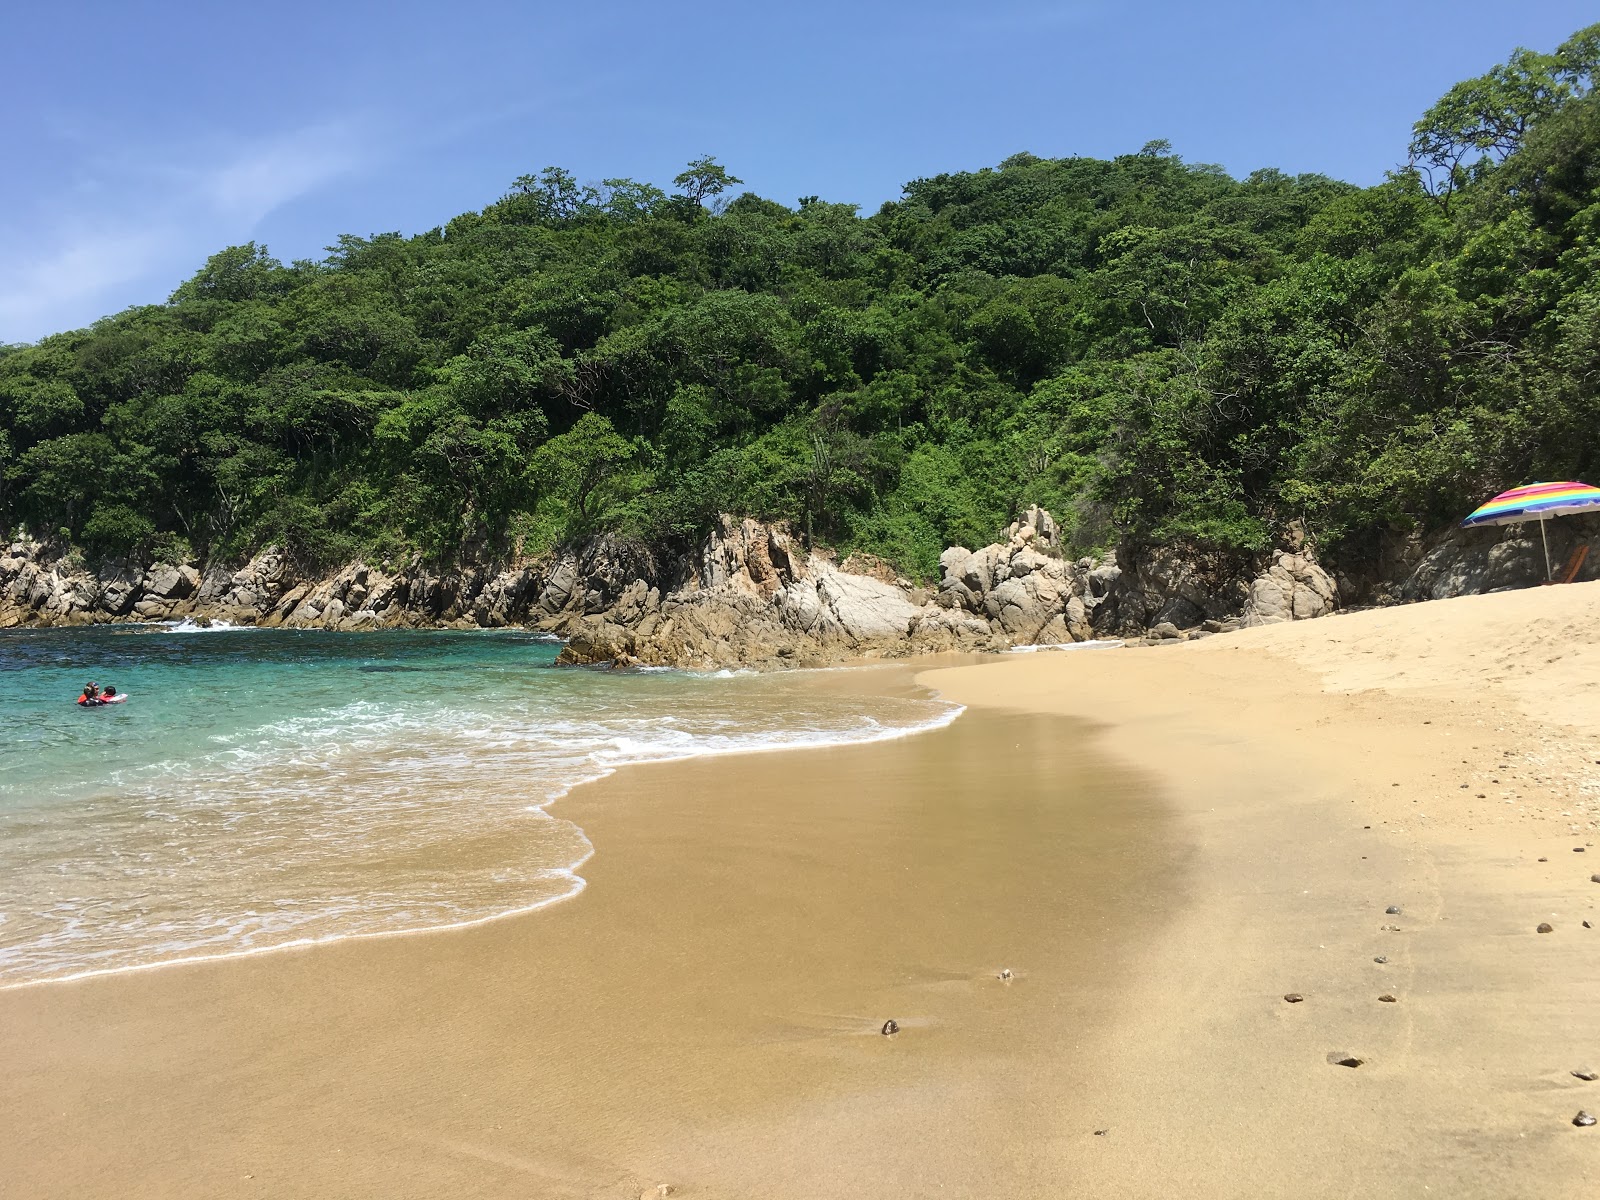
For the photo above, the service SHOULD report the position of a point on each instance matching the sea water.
(268, 788)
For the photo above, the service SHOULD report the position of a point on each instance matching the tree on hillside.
(702, 178)
(574, 466)
(1482, 120)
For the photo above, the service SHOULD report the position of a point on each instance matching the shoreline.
(1162, 843)
(883, 733)
(818, 971)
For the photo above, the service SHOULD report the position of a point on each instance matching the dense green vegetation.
(1153, 349)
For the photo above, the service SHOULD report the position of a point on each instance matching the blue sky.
(139, 137)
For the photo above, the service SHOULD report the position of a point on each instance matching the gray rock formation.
(1293, 589)
(750, 593)
(1467, 562)
(755, 595)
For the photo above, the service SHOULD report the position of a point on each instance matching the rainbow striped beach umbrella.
(1536, 502)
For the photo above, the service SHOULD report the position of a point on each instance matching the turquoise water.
(265, 788)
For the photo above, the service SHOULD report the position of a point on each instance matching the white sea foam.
(189, 625)
(367, 817)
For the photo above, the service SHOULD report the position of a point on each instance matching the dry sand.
(1161, 843)
(1427, 757)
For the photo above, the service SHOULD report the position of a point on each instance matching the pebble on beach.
(1585, 1074)
(1293, 997)
(890, 1027)
(1381, 959)
(1583, 1118)
(1545, 927)
(1386, 998)
(1595, 878)
(1343, 1058)
(1393, 910)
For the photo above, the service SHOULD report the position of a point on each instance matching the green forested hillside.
(1155, 350)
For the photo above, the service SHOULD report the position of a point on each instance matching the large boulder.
(164, 581)
(1293, 589)
(117, 593)
(866, 608)
(1467, 562)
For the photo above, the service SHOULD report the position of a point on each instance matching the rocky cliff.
(752, 593)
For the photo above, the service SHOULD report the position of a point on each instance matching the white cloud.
(131, 226)
(85, 265)
(275, 172)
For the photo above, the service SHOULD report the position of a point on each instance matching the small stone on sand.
(1594, 878)
(1101, 1132)
(1393, 910)
(1005, 974)
(1577, 849)
(1380, 959)
(1544, 860)
(1585, 1074)
(1343, 1058)
(1386, 999)
(1583, 1118)
(890, 1028)
(1391, 929)
(1293, 997)
(1545, 927)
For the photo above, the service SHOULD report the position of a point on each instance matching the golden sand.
(706, 1014)
(1159, 843)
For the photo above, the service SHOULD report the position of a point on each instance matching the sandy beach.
(1159, 843)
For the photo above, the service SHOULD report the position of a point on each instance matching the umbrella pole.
(1546, 540)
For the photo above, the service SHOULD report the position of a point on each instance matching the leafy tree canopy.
(1155, 350)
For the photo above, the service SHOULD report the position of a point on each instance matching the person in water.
(91, 695)
(109, 695)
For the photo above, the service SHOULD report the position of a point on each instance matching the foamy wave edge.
(882, 734)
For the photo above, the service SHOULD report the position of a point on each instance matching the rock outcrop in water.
(754, 594)
(751, 593)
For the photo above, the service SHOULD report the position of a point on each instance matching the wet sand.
(1161, 843)
(706, 1014)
